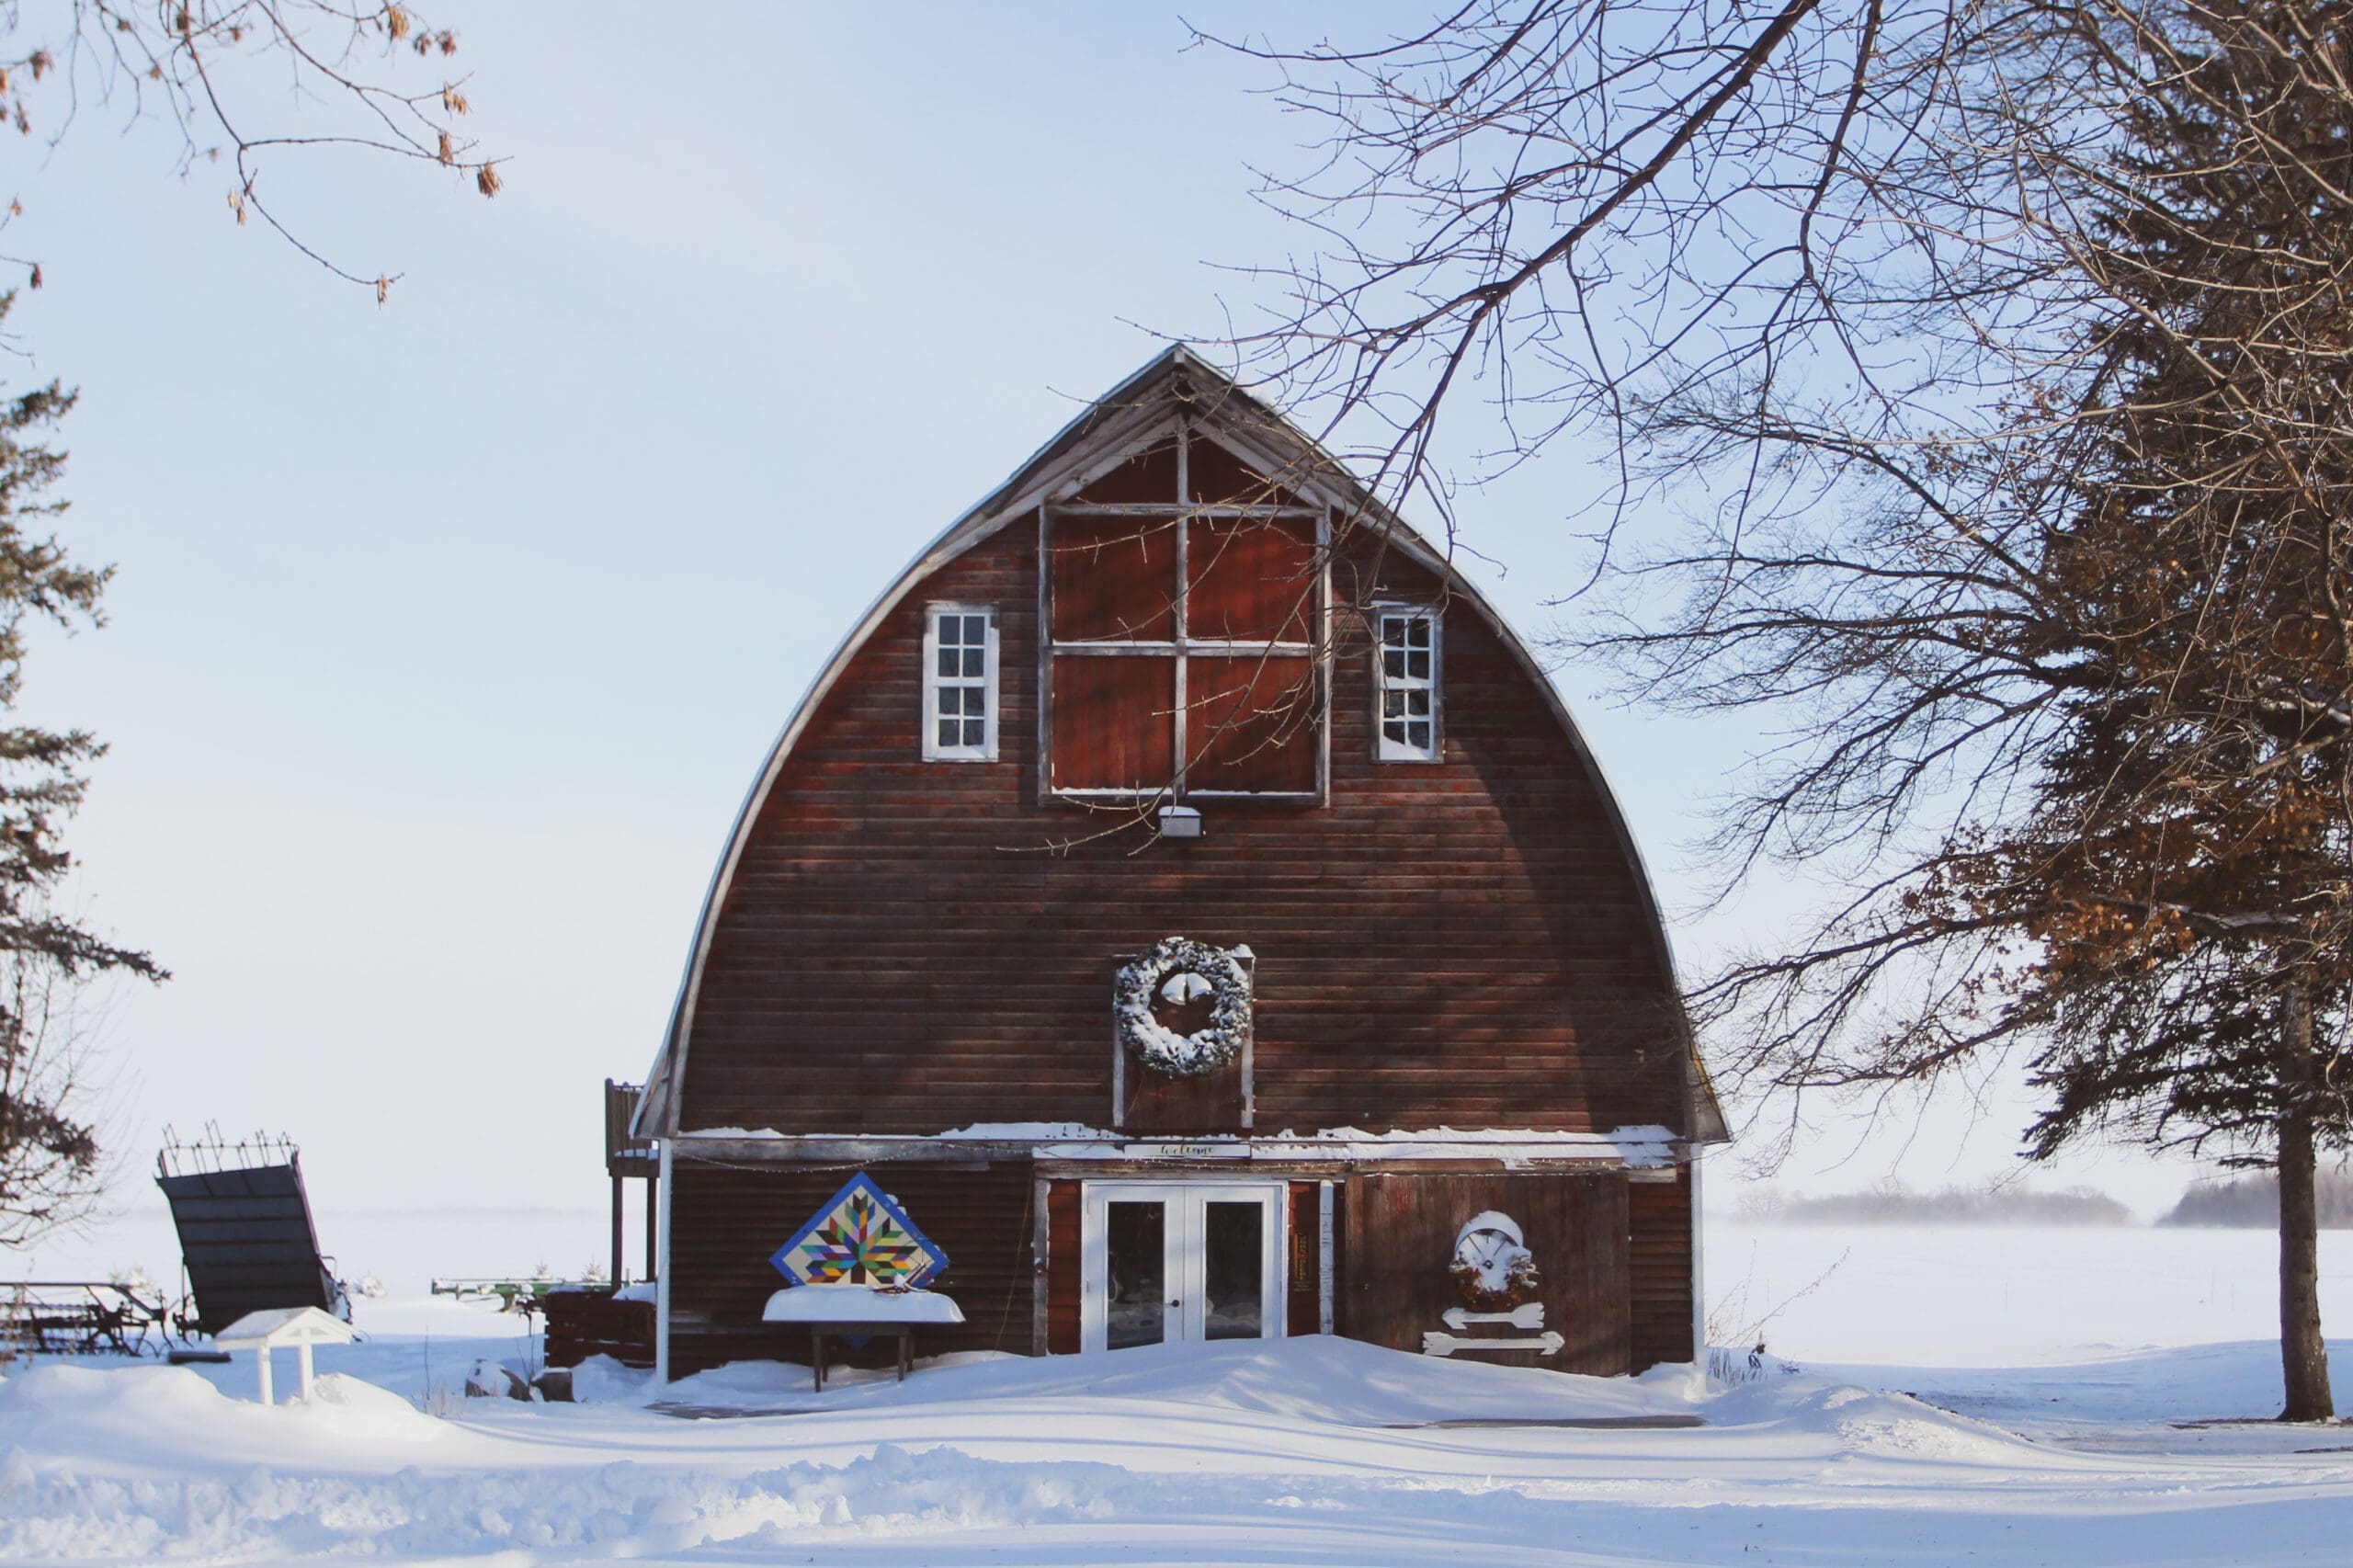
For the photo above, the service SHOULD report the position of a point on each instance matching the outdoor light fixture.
(1179, 821)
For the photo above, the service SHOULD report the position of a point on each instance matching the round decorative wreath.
(1198, 969)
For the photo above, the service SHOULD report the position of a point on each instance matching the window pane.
(947, 732)
(973, 658)
(1133, 1308)
(948, 661)
(1234, 1272)
(976, 732)
(1392, 632)
(1417, 665)
(1394, 729)
(1392, 665)
(1419, 634)
(1417, 736)
(1393, 704)
(1417, 703)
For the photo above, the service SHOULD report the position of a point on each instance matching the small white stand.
(300, 1327)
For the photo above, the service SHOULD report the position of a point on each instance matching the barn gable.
(1125, 451)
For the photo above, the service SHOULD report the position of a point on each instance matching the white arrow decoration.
(1437, 1344)
(1528, 1315)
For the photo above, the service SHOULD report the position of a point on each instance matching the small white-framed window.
(1405, 683)
(959, 684)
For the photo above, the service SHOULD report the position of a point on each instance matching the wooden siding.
(1659, 1262)
(1251, 724)
(726, 1222)
(907, 947)
(1098, 744)
(1062, 1215)
(1250, 582)
(1615, 1258)
(1401, 1237)
(1302, 1256)
(1115, 579)
(581, 1324)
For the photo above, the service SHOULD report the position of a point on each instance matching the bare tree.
(51, 1158)
(1995, 358)
(49, 1152)
(237, 81)
(197, 67)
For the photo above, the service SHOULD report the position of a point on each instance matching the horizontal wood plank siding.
(726, 1222)
(1659, 1262)
(581, 1324)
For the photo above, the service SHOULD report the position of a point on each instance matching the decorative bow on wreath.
(1178, 972)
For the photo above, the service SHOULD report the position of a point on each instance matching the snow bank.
(148, 1408)
(1299, 1452)
(621, 1509)
(1324, 1381)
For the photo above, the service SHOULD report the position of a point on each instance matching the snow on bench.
(860, 1304)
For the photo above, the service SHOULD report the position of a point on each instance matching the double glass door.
(1170, 1260)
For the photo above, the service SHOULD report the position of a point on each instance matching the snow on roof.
(1646, 1146)
(274, 1326)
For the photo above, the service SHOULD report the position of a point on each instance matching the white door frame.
(1185, 1266)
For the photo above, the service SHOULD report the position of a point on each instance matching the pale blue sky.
(448, 635)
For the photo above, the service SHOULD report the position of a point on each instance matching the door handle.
(1176, 1304)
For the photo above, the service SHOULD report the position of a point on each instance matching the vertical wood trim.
(1250, 1053)
(1699, 1270)
(1325, 1272)
(1181, 595)
(1045, 640)
(1119, 1055)
(1349, 1288)
(1326, 690)
(1042, 1255)
(662, 1279)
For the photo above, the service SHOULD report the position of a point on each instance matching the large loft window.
(959, 684)
(1184, 607)
(1404, 683)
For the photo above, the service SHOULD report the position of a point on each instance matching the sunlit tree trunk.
(2303, 1355)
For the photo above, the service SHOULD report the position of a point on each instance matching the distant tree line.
(1895, 1205)
(2253, 1201)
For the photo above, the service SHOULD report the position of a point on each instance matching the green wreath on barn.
(1179, 970)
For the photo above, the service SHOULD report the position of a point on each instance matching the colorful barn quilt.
(860, 1237)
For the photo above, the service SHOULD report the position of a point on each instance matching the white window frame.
(1383, 749)
(934, 683)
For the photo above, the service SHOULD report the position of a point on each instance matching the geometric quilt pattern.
(860, 1237)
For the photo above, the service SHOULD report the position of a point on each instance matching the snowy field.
(2025, 1396)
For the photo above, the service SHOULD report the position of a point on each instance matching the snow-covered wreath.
(1179, 970)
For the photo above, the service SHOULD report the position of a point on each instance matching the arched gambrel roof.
(1176, 386)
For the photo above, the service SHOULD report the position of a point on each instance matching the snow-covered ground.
(2059, 1428)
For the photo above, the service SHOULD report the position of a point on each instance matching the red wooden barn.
(1191, 903)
